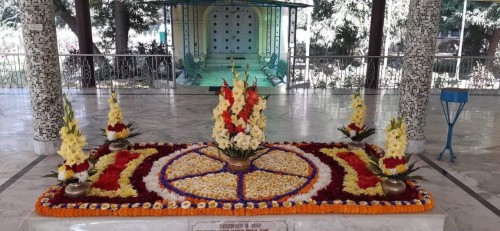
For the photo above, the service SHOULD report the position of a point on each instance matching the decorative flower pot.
(355, 145)
(76, 190)
(117, 146)
(393, 187)
(238, 164)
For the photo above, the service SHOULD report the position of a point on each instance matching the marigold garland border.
(424, 203)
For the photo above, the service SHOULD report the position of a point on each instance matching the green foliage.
(10, 13)
(323, 9)
(346, 39)
(340, 27)
(365, 133)
(139, 17)
(482, 18)
(331, 16)
(451, 15)
(475, 40)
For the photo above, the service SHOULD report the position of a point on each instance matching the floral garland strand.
(117, 131)
(43, 206)
(356, 130)
(76, 163)
(239, 119)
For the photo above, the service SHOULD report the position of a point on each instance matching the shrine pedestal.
(432, 220)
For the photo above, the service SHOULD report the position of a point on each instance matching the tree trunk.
(121, 27)
(375, 44)
(492, 47)
(121, 38)
(70, 20)
(85, 43)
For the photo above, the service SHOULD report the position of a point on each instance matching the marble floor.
(467, 190)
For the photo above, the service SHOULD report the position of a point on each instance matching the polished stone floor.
(467, 190)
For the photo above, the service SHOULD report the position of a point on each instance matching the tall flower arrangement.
(239, 119)
(117, 131)
(394, 163)
(356, 130)
(76, 163)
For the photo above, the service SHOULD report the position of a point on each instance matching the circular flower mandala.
(199, 174)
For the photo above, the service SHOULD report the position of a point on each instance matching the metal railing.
(350, 72)
(156, 71)
(119, 71)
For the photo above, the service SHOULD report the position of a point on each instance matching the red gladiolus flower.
(244, 115)
(227, 120)
(252, 97)
(227, 116)
(227, 93)
(239, 129)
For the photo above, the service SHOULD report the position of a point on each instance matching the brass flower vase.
(117, 146)
(236, 165)
(77, 190)
(355, 145)
(393, 187)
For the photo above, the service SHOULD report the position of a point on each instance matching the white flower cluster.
(260, 184)
(152, 181)
(223, 185)
(283, 162)
(324, 174)
(216, 186)
(253, 130)
(192, 164)
(212, 151)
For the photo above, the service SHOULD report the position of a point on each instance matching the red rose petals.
(366, 178)
(110, 176)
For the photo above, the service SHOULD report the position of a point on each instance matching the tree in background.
(115, 18)
(331, 17)
(483, 25)
(487, 15)
(395, 22)
(9, 13)
(10, 26)
(481, 37)
(330, 20)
